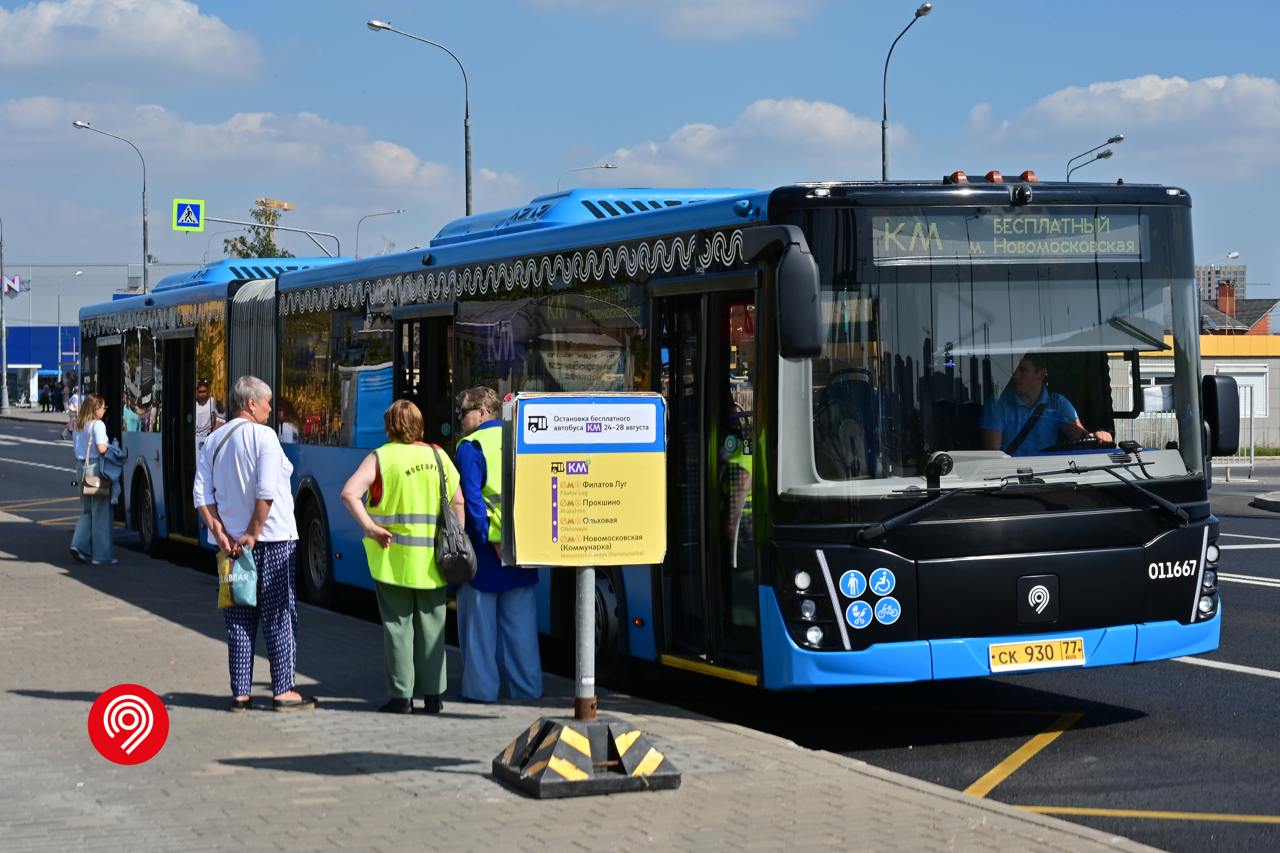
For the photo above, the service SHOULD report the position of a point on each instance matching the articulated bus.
(843, 507)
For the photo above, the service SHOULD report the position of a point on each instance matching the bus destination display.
(950, 237)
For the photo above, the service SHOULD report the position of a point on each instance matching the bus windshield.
(996, 335)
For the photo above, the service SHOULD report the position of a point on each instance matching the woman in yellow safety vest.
(395, 497)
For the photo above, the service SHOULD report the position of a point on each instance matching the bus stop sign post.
(582, 476)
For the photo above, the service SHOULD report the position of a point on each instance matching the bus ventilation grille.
(602, 209)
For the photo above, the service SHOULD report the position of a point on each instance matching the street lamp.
(1101, 155)
(366, 216)
(466, 93)
(583, 169)
(924, 9)
(1115, 140)
(146, 253)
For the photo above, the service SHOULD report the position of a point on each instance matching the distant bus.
(833, 357)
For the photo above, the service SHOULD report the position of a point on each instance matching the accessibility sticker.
(188, 214)
(858, 614)
(853, 584)
(883, 581)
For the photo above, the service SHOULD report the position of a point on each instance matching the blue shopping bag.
(244, 580)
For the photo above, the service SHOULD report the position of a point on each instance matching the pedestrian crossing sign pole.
(188, 214)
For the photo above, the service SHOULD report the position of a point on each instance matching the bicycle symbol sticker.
(858, 615)
(888, 610)
(853, 584)
(882, 581)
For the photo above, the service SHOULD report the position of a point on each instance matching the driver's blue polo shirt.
(1007, 413)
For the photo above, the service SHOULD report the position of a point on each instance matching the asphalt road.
(1182, 756)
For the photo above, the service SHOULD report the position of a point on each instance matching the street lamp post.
(361, 220)
(1115, 140)
(924, 9)
(146, 251)
(583, 169)
(1101, 155)
(466, 93)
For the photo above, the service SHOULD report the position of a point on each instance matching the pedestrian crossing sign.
(188, 214)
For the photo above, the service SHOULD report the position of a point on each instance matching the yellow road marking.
(1153, 815)
(1022, 755)
(57, 521)
(23, 504)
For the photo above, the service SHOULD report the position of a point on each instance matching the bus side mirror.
(798, 291)
(1222, 414)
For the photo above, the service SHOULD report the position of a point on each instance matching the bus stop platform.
(343, 777)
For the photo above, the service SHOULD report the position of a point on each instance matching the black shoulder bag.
(454, 555)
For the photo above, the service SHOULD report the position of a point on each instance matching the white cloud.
(1225, 125)
(769, 141)
(168, 35)
(702, 20)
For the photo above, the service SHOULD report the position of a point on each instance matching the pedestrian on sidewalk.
(73, 412)
(395, 497)
(497, 611)
(91, 541)
(242, 492)
(44, 397)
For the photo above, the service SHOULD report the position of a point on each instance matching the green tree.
(260, 242)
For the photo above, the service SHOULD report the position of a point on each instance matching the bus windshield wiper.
(871, 532)
(1165, 504)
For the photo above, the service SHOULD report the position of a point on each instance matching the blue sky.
(231, 101)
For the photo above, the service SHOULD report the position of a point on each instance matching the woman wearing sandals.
(91, 542)
(402, 482)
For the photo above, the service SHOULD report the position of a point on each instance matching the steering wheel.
(1080, 444)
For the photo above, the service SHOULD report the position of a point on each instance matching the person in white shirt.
(242, 492)
(207, 416)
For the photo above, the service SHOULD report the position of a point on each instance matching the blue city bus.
(162, 361)
(836, 358)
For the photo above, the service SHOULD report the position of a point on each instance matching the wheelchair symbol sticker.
(882, 582)
(858, 614)
(888, 610)
(853, 584)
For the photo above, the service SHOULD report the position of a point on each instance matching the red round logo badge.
(128, 724)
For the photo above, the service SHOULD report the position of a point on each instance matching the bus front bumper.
(787, 666)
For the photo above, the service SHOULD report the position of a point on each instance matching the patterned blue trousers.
(277, 612)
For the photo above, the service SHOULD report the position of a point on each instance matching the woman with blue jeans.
(91, 543)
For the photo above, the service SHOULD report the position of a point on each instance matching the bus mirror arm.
(797, 288)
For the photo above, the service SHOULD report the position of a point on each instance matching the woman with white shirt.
(243, 494)
(91, 541)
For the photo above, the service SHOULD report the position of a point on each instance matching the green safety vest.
(741, 459)
(409, 508)
(489, 440)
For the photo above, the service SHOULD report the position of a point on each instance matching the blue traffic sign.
(883, 582)
(858, 614)
(853, 584)
(888, 610)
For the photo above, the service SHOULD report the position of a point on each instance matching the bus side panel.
(142, 449)
(330, 468)
(637, 582)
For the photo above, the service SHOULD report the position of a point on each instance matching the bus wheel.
(613, 659)
(315, 571)
(144, 508)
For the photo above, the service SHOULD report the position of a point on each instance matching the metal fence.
(1157, 429)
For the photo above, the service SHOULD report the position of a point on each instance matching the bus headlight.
(808, 608)
(1206, 605)
(1212, 553)
(802, 581)
(813, 635)
(1210, 580)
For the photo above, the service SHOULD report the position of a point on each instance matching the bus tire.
(144, 514)
(315, 566)
(613, 653)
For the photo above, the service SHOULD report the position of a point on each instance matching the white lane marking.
(1251, 579)
(1268, 545)
(1247, 536)
(38, 465)
(11, 440)
(1231, 667)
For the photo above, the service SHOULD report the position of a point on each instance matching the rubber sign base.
(564, 757)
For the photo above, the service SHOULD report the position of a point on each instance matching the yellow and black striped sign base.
(564, 757)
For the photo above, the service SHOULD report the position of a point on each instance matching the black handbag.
(454, 555)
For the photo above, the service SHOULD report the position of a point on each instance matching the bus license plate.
(1038, 654)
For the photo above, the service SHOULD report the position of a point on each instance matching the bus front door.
(424, 367)
(706, 357)
(179, 431)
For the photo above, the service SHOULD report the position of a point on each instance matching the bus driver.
(1028, 418)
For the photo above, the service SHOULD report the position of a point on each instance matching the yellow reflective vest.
(409, 508)
(489, 440)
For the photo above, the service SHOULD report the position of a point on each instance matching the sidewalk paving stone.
(342, 777)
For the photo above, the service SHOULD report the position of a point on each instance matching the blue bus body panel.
(144, 449)
(787, 666)
(330, 468)
(637, 582)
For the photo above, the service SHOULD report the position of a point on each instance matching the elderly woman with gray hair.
(243, 494)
